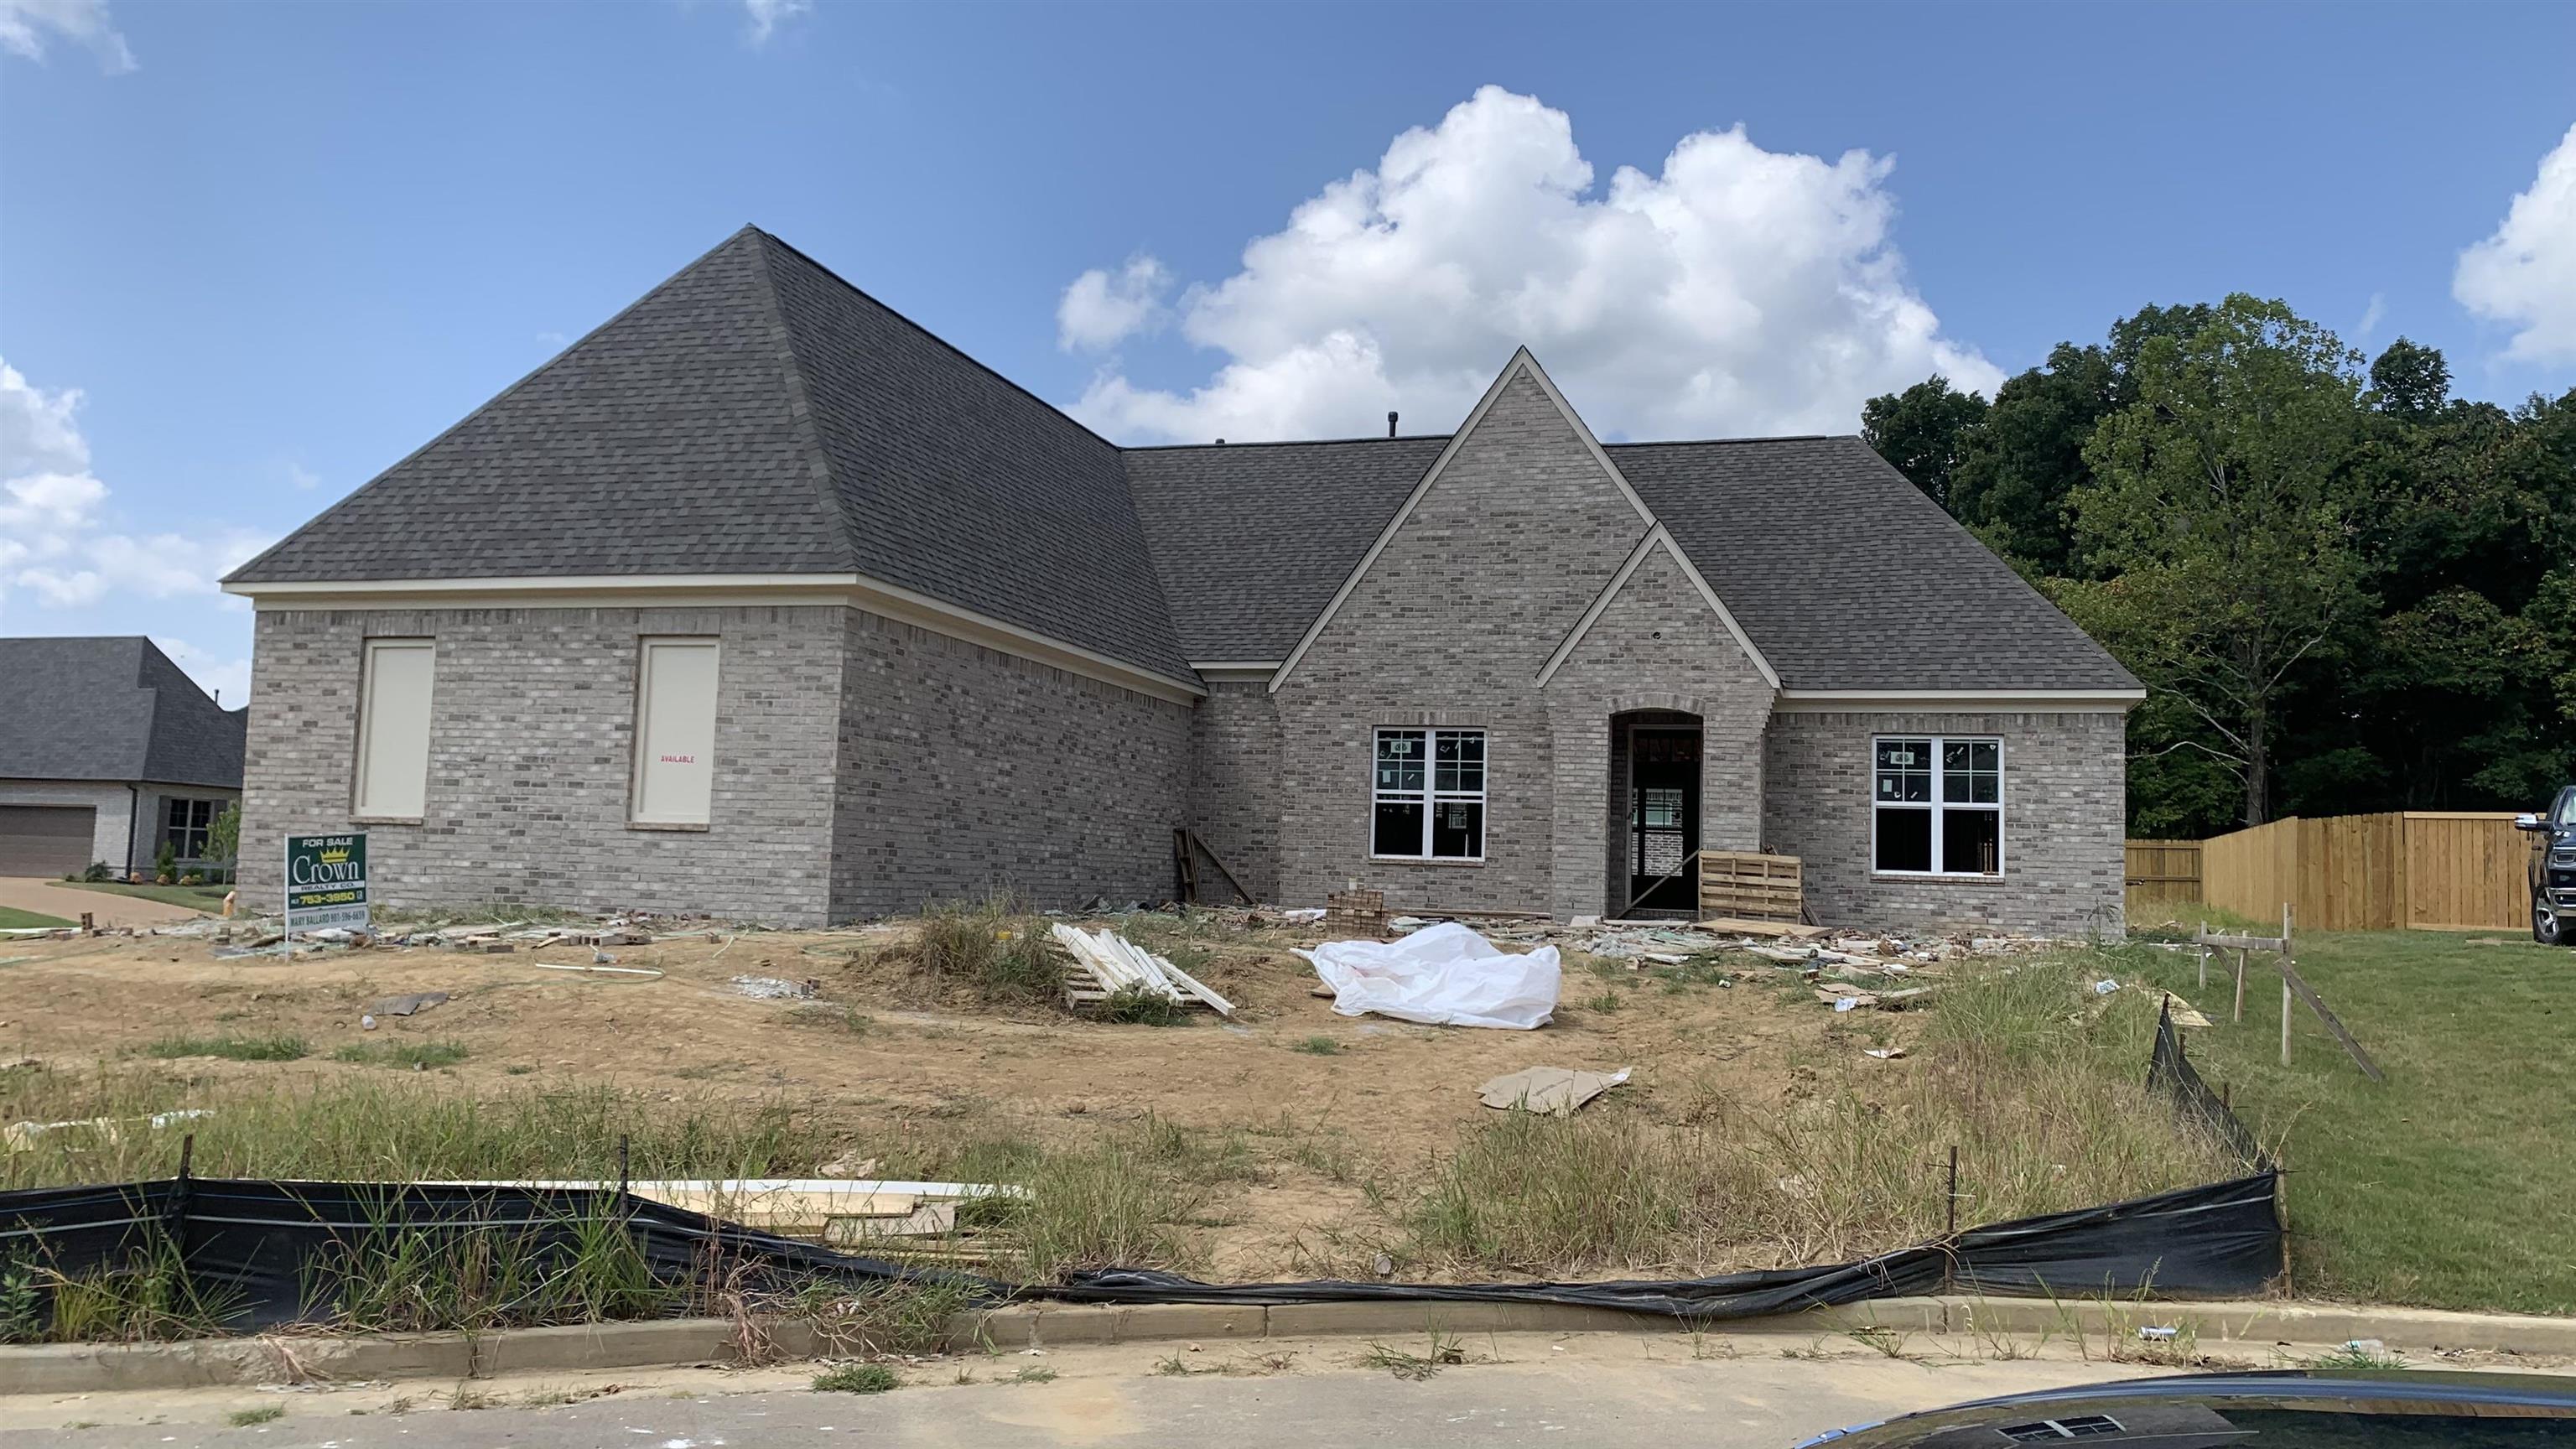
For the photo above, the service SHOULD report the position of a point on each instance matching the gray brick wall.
(1235, 787)
(1451, 626)
(963, 770)
(2065, 783)
(1658, 654)
(532, 720)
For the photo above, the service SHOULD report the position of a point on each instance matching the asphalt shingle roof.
(1253, 539)
(1847, 576)
(757, 414)
(1842, 572)
(111, 709)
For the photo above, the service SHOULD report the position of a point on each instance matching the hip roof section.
(755, 414)
(112, 709)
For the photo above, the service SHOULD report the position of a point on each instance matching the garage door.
(45, 839)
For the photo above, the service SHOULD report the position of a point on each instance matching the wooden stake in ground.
(2239, 1017)
(2285, 983)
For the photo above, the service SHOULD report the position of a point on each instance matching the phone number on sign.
(305, 900)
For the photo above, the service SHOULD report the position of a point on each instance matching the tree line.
(2345, 589)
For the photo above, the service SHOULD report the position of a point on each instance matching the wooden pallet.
(1749, 886)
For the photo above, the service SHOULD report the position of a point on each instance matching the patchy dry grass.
(2033, 1077)
(1712, 1161)
(347, 1127)
(231, 1048)
(410, 1056)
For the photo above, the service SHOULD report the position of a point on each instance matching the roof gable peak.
(1523, 363)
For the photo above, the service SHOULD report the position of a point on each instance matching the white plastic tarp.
(1445, 975)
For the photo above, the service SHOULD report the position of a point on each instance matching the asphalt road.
(1601, 1390)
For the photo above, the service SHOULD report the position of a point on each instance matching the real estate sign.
(326, 882)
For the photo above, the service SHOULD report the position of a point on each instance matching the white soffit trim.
(665, 591)
(1655, 536)
(1521, 360)
(1958, 701)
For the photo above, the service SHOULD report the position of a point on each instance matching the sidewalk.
(53, 898)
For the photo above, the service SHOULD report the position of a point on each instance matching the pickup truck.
(2553, 870)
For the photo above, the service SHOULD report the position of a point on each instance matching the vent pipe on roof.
(1390, 422)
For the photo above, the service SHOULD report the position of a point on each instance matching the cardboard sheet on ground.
(1556, 1091)
(1444, 975)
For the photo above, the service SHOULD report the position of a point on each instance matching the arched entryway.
(1656, 812)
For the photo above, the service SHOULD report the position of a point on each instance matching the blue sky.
(252, 254)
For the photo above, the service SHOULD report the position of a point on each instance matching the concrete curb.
(672, 1343)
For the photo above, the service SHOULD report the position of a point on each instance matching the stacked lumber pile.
(1105, 963)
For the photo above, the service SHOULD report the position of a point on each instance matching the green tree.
(2016, 473)
(223, 838)
(2410, 381)
(2217, 527)
(1921, 431)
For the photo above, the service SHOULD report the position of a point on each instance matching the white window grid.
(1942, 783)
(1441, 784)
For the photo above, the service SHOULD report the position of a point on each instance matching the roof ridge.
(1287, 443)
(800, 403)
(1714, 442)
(485, 406)
(896, 313)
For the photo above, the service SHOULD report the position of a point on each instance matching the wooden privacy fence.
(2422, 870)
(2162, 873)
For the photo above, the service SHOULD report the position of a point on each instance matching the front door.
(1663, 820)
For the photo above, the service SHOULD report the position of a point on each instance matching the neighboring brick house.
(762, 601)
(108, 751)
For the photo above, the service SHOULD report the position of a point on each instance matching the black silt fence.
(2172, 1074)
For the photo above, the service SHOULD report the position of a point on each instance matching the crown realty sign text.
(326, 882)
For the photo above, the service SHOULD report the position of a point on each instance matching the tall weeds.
(2031, 1074)
(397, 1276)
(369, 1129)
(990, 950)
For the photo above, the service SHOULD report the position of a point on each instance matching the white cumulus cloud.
(2525, 274)
(58, 543)
(768, 15)
(1738, 291)
(1100, 310)
(25, 25)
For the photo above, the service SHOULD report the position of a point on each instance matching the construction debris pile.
(1106, 963)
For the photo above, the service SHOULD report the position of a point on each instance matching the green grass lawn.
(2453, 1183)
(197, 897)
(11, 920)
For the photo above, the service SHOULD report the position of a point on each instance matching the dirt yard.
(1397, 1090)
(1349, 1122)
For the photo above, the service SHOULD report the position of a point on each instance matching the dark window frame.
(188, 839)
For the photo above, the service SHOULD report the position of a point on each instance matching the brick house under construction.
(762, 601)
